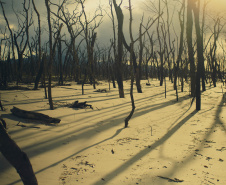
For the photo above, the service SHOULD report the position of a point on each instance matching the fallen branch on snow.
(33, 115)
(171, 180)
(101, 90)
(80, 105)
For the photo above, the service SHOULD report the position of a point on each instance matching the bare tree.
(60, 81)
(40, 64)
(189, 28)
(118, 58)
(71, 20)
(179, 57)
(22, 32)
(111, 65)
(149, 51)
(4, 66)
(10, 30)
(161, 45)
(90, 35)
(199, 40)
(217, 28)
(50, 56)
(135, 70)
(131, 67)
(113, 43)
(57, 45)
(169, 47)
(135, 66)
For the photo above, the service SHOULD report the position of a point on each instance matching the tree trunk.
(39, 75)
(16, 157)
(179, 57)
(40, 64)
(11, 35)
(190, 46)
(119, 75)
(161, 69)
(199, 39)
(50, 56)
(131, 69)
(60, 81)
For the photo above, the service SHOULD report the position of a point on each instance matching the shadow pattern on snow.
(146, 151)
(107, 124)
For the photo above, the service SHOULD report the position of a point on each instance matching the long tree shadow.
(70, 156)
(88, 130)
(54, 141)
(146, 151)
(120, 115)
(207, 136)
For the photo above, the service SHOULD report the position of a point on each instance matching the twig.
(171, 180)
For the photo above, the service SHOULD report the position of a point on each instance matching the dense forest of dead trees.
(180, 43)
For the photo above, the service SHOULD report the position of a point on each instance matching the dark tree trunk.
(60, 81)
(132, 102)
(83, 82)
(214, 73)
(40, 64)
(19, 67)
(16, 157)
(179, 57)
(182, 77)
(200, 68)
(1, 106)
(190, 47)
(50, 56)
(11, 35)
(139, 71)
(4, 74)
(196, 9)
(131, 69)
(161, 69)
(44, 75)
(119, 75)
(112, 75)
(39, 75)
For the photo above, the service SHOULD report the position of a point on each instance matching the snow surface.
(165, 142)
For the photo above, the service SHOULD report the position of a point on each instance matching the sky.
(104, 32)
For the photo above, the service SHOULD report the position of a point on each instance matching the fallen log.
(16, 157)
(80, 105)
(33, 115)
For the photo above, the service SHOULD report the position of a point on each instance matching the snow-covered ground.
(165, 142)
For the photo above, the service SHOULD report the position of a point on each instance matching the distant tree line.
(193, 53)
